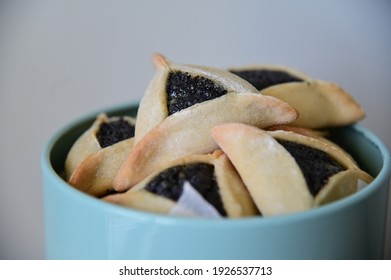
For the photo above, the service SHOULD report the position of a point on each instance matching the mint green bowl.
(79, 226)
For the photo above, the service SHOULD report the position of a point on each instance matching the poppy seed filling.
(184, 91)
(262, 79)
(169, 183)
(114, 131)
(316, 165)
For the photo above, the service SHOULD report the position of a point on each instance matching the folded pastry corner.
(95, 158)
(265, 76)
(318, 134)
(188, 132)
(212, 176)
(84, 146)
(320, 104)
(175, 87)
(286, 172)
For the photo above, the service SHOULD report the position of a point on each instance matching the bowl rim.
(50, 174)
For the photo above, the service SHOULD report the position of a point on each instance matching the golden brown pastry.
(319, 103)
(84, 146)
(318, 134)
(286, 172)
(181, 105)
(95, 158)
(188, 132)
(176, 87)
(300, 130)
(212, 176)
(171, 160)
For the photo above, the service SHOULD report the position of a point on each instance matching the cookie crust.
(234, 195)
(91, 168)
(271, 174)
(188, 132)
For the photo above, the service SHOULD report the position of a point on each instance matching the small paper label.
(192, 204)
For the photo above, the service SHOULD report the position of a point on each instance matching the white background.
(193, 269)
(60, 60)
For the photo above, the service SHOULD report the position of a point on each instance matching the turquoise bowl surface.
(79, 226)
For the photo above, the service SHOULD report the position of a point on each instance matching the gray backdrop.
(60, 60)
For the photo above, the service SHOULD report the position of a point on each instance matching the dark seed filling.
(184, 91)
(169, 183)
(262, 79)
(316, 165)
(114, 132)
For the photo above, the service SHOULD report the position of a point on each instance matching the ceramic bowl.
(79, 226)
